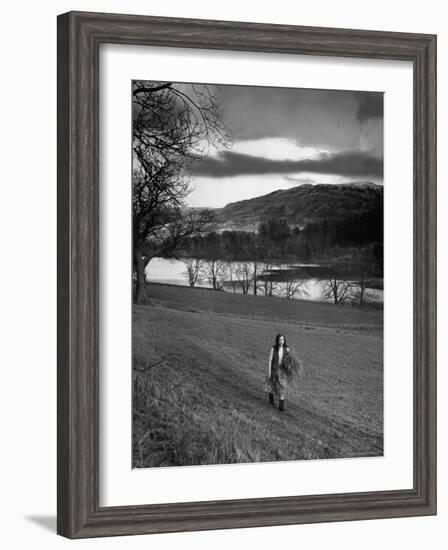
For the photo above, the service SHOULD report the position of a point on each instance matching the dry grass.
(199, 366)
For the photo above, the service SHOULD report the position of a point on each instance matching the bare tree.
(175, 122)
(267, 285)
(245, 276)
(336, 290)
(161, 231)
(231, 275)
(295, 286)
(173, 125)
(360, 296)
(214, 270)
(256, 269)
(194, 270)
(360, 293)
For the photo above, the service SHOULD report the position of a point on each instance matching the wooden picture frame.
(79, 37)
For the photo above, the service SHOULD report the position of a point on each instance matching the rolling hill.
(300, 205)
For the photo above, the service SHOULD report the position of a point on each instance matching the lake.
(303, 281)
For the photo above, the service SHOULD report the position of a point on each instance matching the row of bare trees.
(340, 291)
(254, 277)
(248, 277)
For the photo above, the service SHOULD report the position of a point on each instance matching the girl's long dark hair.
(277, 340)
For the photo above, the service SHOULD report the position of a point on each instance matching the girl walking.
(276, 380)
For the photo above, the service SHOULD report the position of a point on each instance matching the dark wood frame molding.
(79, 37)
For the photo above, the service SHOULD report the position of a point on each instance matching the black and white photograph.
(257, 274)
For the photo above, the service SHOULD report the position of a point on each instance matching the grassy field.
(200, 361)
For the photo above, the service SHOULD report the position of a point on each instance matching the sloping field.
(200, 360)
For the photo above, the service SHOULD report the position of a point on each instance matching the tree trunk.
(335, 292)
(362, 290)
(141, 296)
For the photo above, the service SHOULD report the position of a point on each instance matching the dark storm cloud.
(230, 164)
(370, 106)
(327, 119)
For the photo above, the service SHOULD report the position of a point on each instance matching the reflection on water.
(174, 272)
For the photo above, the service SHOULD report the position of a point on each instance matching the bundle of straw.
(292, 367)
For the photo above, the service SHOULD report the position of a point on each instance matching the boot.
(271, 398)
(281, 405)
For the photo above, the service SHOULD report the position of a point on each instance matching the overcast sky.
(285, 137)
